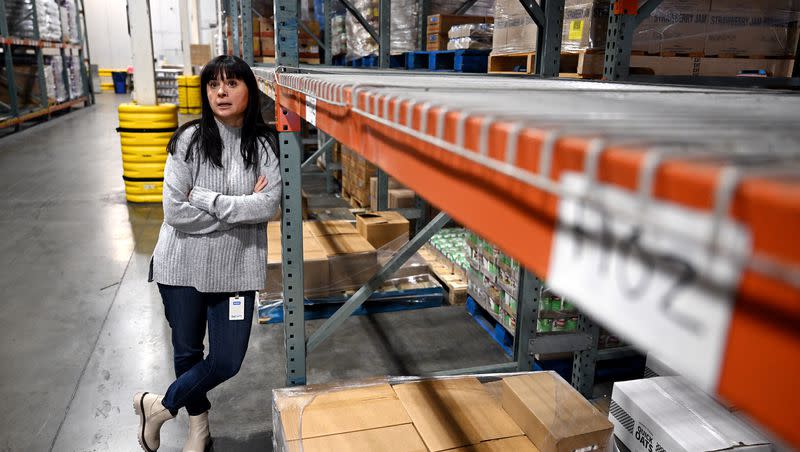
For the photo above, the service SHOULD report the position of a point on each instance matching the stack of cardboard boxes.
(526, 413)
(439, 25)
(356, 173)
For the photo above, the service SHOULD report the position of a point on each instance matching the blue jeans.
(187, 312)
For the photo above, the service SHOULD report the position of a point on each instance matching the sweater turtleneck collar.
(227, 131)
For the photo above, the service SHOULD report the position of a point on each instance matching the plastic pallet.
(449, 60)
(495, 329)
(379, 302)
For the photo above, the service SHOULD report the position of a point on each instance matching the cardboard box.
(398, 438)
(373, 190)
(514, 30)
(554, 416)
(436, 42)
(585, 24)
(380, 228)
(676, 26)
(401, 198)
(515, 444)
(441, 23)
(256, 46)
(767, 28)
(268, 46)
(341, 411)
(316, 274)
(667, 413)
(351, 259)
(454, 413)
(200, 54)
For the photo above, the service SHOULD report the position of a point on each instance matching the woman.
(221, 186)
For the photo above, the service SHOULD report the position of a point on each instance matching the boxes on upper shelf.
(380, 228)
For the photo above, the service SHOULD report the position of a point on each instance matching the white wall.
(166, 20)
(107, 27)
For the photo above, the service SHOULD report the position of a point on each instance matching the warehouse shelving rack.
(575, 179)
(15, 115)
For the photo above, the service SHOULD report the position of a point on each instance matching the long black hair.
(205, 139)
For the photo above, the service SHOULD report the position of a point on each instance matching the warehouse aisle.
(82, 330)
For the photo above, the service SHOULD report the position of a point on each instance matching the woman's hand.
(261, 184)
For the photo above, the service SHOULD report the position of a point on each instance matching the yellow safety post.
(144, 132)
(189, 94)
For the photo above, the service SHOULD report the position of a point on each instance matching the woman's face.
(228, 99)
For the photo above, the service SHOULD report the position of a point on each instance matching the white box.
(654, 367)
(669, 414)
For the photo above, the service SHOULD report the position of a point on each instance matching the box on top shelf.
(514, 30)
(668, 413)
(380, 228)
(767, 28)
(441, 23)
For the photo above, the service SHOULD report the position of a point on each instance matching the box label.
(576, 30)
(311, 110)
(664, 291)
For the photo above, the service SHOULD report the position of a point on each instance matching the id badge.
(236, 308)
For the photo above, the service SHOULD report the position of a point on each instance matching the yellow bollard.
(144, 133)
(189, 100)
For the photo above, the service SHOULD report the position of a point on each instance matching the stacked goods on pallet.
(439, 26)
(470, 36)
(356, 173)
(404, 32)
(26, 77)
(400, 197)
(339, 34)
(264, 40)
(61, 90)
(446, 254)
(50, 83)
(19, 17)
(75, 80)
(528, 412)
(689, 37)
(69, 21)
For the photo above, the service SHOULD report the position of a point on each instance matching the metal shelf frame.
(17, 117)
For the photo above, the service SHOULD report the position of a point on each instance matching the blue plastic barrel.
(120, 82)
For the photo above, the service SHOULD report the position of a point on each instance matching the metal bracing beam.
(247, 32)
(361, 20)
(316, 38)
(324, 148)
(9, 62)
(423, 10)
(584, 362)
(489, 369)
(391, 266)
(383, 190)
(464, 7)
(384, 33)
(535, 11)
(645, 11)
(529, 293)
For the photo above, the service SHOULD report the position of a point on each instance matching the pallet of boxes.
(264, 41)
(526, 412)
(680, 38)
(493, 284)
(360, 184)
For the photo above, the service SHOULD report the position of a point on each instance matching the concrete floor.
(82, 330)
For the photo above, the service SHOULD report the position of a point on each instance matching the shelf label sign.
(660, 287)
(311, 110)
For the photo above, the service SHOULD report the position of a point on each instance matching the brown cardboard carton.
(555, 416)
(380, 228)
(401, 198)
(514, 30)
(441, 23)
(351, 258)
(373, 190)
(435, 42)
(200, 54)
(342, 411)
(267, 46)
(454, 413)
(315, 262)
(585, 24)
(256, 46)
(515, 444)
(766, 28)
(676, 26)
(397, 438)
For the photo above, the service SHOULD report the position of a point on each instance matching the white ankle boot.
(152, 415)
(199, 439)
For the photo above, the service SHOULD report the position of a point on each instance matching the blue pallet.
(338, 60)
(379, 302)
(495, 329)
(448, 60)
(395, 61)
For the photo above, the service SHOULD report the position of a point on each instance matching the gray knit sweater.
(214, 233)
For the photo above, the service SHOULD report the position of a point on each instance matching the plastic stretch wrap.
(69, 21)
(524, 411)
(57, 63)
(514, 30)
(338, 34)
(470, 36)
(50, 82)
(19, 15)
(75, 81)
(696, 27)
(404, 33)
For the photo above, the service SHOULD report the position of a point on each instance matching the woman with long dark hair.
(221, 186)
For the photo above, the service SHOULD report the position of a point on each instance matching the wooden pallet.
(454, 281)
(589, 64)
